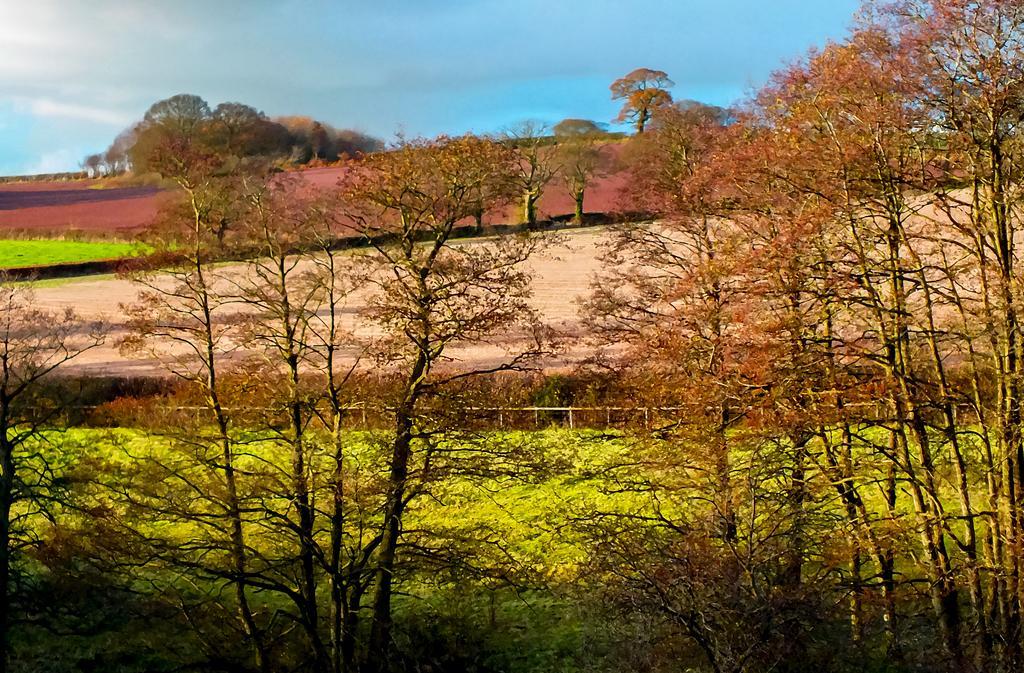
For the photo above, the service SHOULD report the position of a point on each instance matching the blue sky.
(75, 72)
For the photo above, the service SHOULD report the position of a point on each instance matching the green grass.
(43, 252)
(524, 512)
(520, 527)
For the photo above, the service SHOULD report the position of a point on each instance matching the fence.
(366, 416)
(526, 418)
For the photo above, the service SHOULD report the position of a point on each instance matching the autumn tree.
(93, 164)
(347, 555)
(581, 161)
(970, 73)
(242, 131)
(430, 297)
(669, 290)
(848, 96)
(294, 294)
(571, 127)
(642, 91)
(181, 318)
(183, 114)
(841, 218)
(537, 166)
(179, 120)
(310, 139)
(34, 344)
(262, 350)
(117, 157)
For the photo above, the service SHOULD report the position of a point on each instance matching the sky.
(73, 73)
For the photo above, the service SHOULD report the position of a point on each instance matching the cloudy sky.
(75, 72)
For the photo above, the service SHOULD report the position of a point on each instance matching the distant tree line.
(232, 130)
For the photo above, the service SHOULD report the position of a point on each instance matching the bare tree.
(537, 166)
(34, 344)
(181, 318)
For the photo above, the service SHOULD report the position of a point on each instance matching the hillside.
(48, 208)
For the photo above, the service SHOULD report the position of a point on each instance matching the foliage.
(643, 91)
(822, 328)
(231, 130)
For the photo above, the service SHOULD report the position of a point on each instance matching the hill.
(57, 208)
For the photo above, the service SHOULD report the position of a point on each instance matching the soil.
(562, 277)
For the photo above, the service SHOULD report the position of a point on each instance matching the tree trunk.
(894, 647)
(642, 116)
(338, 604)
(307, 553)
(6, 496)
(792, 572)
(530, 199)
(380, 629)
(401, 454)
(237, 550)
(238, 557)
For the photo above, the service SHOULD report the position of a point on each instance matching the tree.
(969, 69)
(838, 215)
(662, 161)
(320, 142)
(183, 114)
(581, 161)
(93, 165)
(314, 139)
(235, 126)
(642, 91)
(34, 343)
(179, 318)
(430, 296)
(350, 143)
(347, 556)
(117, 157)
(537, 164)
(285, 300)
(568, 128)
(181, 121)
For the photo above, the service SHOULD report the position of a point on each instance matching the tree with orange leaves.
(643, 91)
(429, 295)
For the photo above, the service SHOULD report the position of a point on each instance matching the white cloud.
(45, 107)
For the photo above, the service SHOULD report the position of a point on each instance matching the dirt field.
(56, 208)
(561, 278)
(48, 208)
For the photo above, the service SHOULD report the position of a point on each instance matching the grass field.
(528, 512)
(517, 528)
(528, 601)
(43, 252)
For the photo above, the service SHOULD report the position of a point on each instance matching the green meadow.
(45, 252)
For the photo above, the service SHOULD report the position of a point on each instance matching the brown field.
(50, 208)
(561, 277)
(87, 206)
